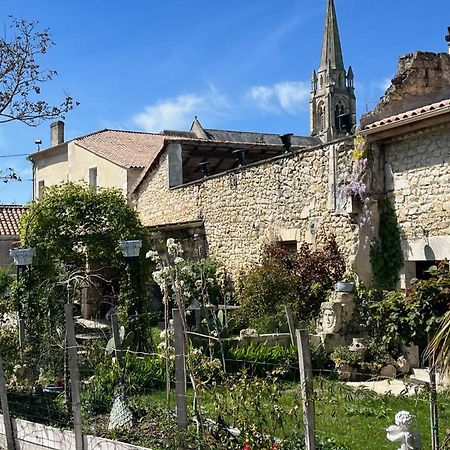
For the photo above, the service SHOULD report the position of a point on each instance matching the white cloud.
(289, 96)
(176, 113)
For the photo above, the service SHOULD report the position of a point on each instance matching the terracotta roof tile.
(128, 149)
(9, 219)
(442, 105)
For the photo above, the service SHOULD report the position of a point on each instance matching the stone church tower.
(333, 102)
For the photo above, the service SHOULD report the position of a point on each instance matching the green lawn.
(353, 419)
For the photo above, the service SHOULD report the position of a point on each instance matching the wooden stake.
(290, 322)
(5, 408)
(305, 365)
(74, 377)
(180, 370)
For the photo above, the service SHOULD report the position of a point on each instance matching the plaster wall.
(109, 174)
(285, 198)
(52, 168)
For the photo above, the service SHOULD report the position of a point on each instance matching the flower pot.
(345, 286)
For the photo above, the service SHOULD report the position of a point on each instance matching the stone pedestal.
(334, 322)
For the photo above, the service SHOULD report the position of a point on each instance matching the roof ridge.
(117, 131)
(13, 206)
(252, 132)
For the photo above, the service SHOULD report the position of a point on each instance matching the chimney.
(56, 133)
(447, 38)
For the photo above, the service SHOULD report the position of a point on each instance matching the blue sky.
(236, 64)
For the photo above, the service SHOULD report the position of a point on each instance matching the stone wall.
(422, 78)
(6, 244)
(417, 171)
(289, 198)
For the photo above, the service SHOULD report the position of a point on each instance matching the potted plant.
(347, 284)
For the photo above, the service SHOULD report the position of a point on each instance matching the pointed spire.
(313, 81)
(331, 43)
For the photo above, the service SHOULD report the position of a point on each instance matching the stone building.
(410, 132)
(106, 158)
(9, 231)
(228, 193)
(291, 194)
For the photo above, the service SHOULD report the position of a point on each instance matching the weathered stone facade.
(287, 198)
(411, 130)
(418, 181)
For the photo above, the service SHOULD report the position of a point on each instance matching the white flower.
(153, 255)
(178, 260)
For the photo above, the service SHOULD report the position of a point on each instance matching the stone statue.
(401, 432)
(331, 321)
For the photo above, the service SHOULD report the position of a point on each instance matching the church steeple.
(333, 102)
(331, 43)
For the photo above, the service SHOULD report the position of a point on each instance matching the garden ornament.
(331, 317)
(121, 416)
(401, 432)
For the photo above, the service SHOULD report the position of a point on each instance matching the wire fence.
(232, 395)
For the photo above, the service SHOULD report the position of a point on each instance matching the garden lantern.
(23, 258)
(131, 248)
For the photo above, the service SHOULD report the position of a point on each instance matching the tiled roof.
(407, 115)
(128, 149)
(9, 219)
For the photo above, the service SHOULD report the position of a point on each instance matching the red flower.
(246, 446)
(274, 446)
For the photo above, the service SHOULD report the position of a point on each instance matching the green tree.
(76, 233)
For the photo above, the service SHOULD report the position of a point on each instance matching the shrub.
(300, 280)
(259, 360)
(140, 375)
(396, 318)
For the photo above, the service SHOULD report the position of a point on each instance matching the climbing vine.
(386, 253)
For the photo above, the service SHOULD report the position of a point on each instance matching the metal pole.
(433, 408)
(20, 311)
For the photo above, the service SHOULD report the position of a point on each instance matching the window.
(41, 187)
(93, 178)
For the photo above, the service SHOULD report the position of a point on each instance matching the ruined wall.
(288, 198)
(422, 78)
(417, 175)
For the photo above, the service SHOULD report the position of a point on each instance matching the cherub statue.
(402, 432)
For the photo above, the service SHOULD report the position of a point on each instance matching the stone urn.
(345, 286)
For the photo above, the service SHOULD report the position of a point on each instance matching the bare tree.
(21, 76)
(9, 175)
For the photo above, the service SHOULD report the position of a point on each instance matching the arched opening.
(338, 116)
(321, 116)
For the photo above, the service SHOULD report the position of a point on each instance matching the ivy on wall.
(386, 253)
